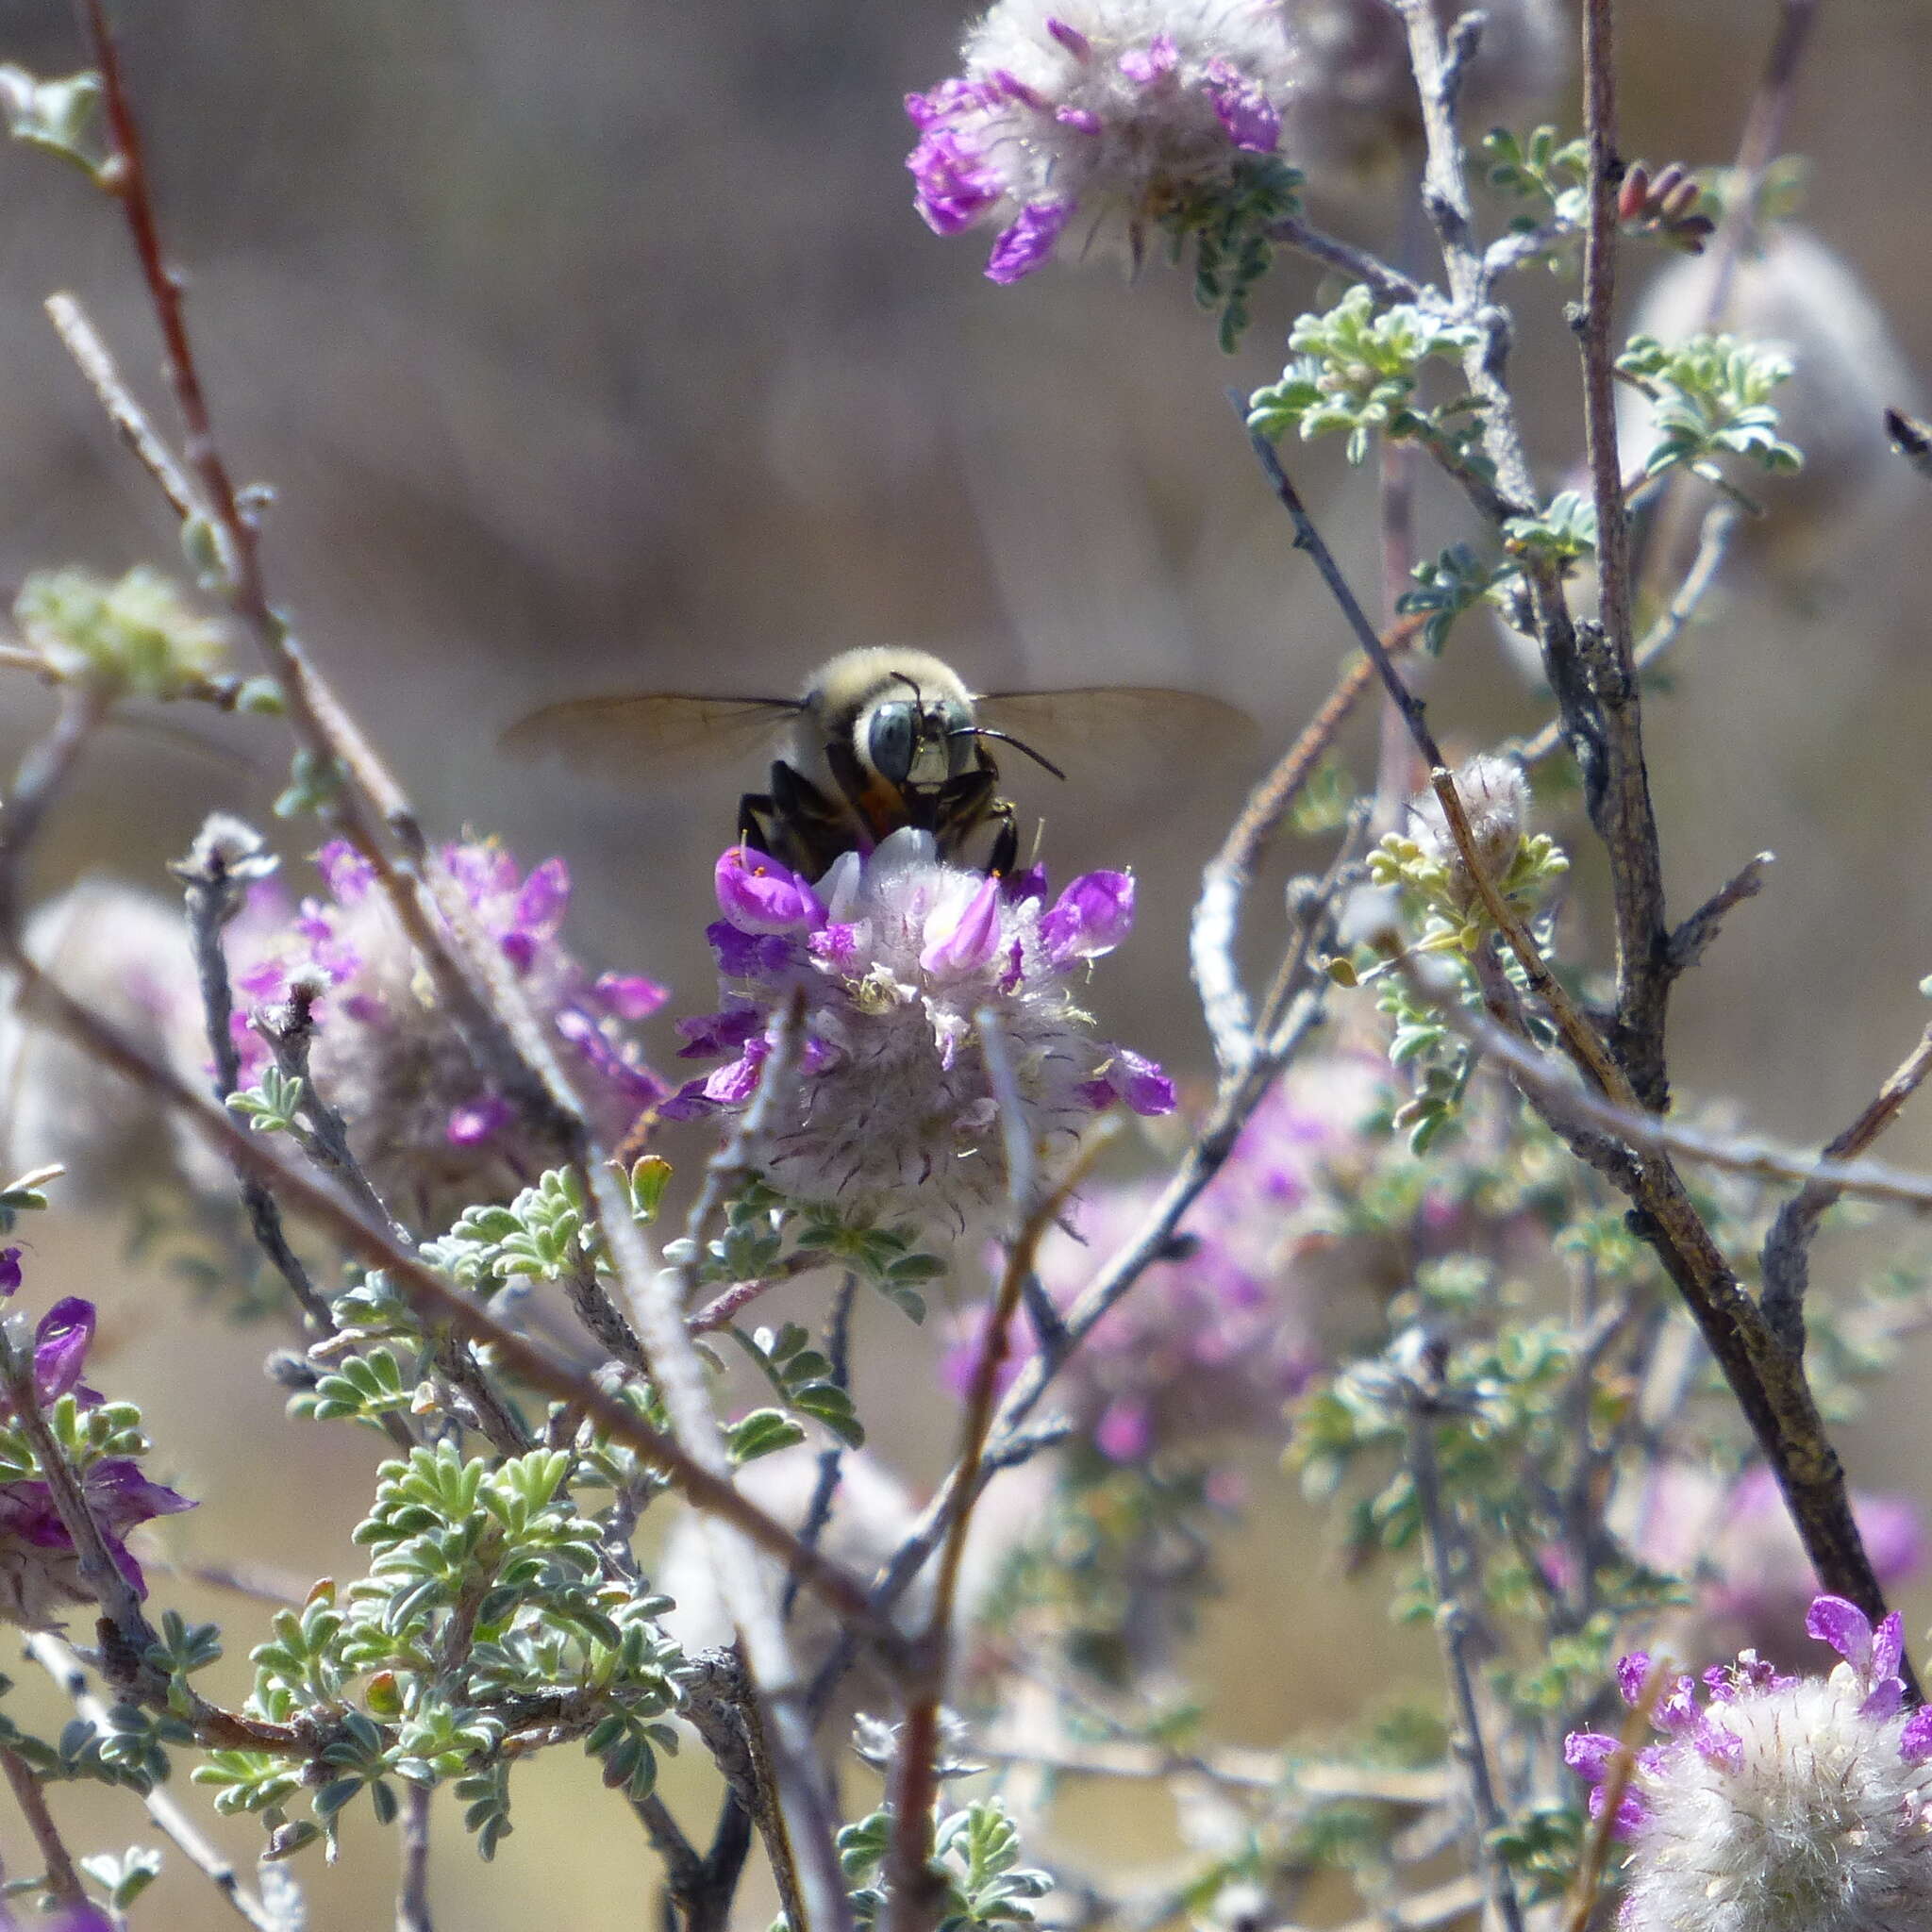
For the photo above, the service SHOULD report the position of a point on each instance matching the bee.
(881, 738)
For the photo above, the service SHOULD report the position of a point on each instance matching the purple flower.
(9, 1270)
(39, 1568)
(1088, 109)
(963, 937)
(761, 896)
(630, 995)
(1028, 242)
(61, 1347)
(1070, 37)
(1874, 1655)
(1091, 916)
(953, 185)
(1783, 1804)
(896, 958)
(1150, 65)
(430, 1132)
(1252, 120)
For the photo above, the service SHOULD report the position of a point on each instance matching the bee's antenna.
(1007, 738)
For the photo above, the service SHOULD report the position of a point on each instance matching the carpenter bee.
(882, 737)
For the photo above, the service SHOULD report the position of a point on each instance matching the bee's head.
(914, 738)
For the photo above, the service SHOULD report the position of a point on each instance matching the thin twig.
(59, 1662)
(62, 1881)
(1785, 1263)
(1690, 940)
(802, 1825)
(1588, 1885)
(214, 895)
(1225, 880)
(1387, 283)
(1648, 1133)
(1720, 522)
(412, 1894)
(825, 1491)
(1620, 805)
(914, 1892)
(1455, 1623)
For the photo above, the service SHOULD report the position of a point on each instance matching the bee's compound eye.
(890, 740)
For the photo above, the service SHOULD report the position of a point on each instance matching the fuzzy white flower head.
(1791, 293)
(1495, 798)
(1354, 106)
(1784, 1804)
(125, 954)
(1096, 118)
(431, 1134)
(895, 957)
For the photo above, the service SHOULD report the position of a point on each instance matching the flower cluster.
(1119, 112)
(1778, 1804)
(1216, 1340)
(893, 957)
(39, 1570)
(427, 1129)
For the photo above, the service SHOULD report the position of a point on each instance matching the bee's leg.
(811, 829)
(1005, 844)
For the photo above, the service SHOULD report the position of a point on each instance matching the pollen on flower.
(894, 956)
(1778, 1804)
(1098, 117)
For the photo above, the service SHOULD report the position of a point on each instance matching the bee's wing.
(645, 739)
(1120, 736)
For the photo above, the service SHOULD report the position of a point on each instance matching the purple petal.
(1091, 916)
(744, 955)
(9, 1270)
(1677, 1709)
(1887, 1647)
(710, 1034)
(1029, 882)
(1081, 120)
(544, 895)
(1915, 1741)
(479, 1121)
(1012, 88)
(1070, 37)
(630, 995)
(1149, 65)
(1147, 1089)
(953, 183)
(1718, 1745)
(949, 101)
(758, 895)
(483, 870)
(963, 938)
(1843, 1625)
(690, 1103)
(122, 1495)
(60, 1345)
(344, 870)
(1588, 1753)
(1028, 242)
(1249, 117)
(837, 944)
(733, 1085)
(1887, 1699)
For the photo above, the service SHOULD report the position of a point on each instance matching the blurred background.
(596, 345)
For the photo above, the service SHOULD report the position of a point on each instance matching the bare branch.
(1785, 1263)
